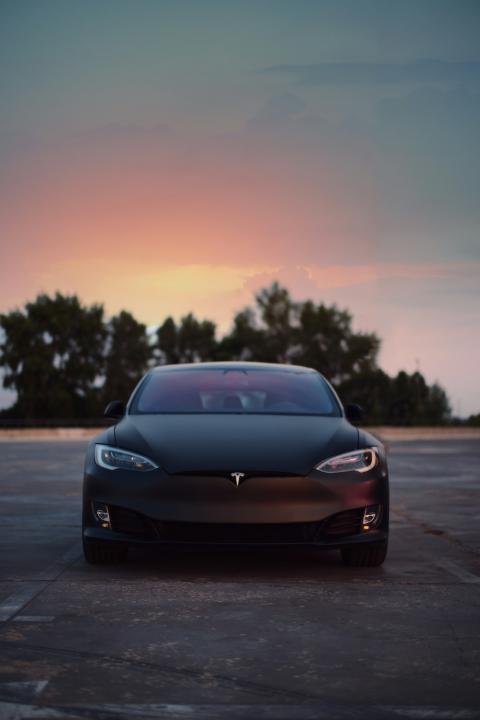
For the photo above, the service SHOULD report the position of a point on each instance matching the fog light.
(370, 517)
(101, 514)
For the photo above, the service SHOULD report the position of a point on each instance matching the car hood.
(197, 443)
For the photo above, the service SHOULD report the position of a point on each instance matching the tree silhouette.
(278, 329)
(64, 360)
(278, 317)
(245, 341)
(53, 353)
(127, 356)
(167, 342)
(327, 342)
(191, 341)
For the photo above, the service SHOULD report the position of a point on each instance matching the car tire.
(103, 553)
(367, 555)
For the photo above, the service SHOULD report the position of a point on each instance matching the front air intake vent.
(239, 532)
(131, 523)
(344, 523)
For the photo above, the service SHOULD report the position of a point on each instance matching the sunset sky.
(164, 157)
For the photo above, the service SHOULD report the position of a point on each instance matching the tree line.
(66, 360)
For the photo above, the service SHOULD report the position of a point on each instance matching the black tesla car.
(235, 453)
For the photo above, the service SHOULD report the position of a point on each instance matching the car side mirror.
(354, 413)
(115, 409)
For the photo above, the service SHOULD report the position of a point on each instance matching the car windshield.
(233, 390)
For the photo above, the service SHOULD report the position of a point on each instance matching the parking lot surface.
(236, 634)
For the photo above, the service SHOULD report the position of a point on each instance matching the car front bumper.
(155, 507)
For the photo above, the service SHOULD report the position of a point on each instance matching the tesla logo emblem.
(237, 477)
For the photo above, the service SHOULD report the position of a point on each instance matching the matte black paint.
(230, 442)
(197, 452)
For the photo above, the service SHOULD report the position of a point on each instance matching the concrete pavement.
(238, 634)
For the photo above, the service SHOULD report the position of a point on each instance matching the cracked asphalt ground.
(273, 634)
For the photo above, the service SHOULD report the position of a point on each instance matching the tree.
(56, 353)
(402, 400)
(191, 341)
(127, 356)
(372, 390)
(281, 330)
(327, 342)
(52, 354)
(439, 410)
(278, 317)
(244, 340)
(196, 339)
(167, 342)
(278, 329)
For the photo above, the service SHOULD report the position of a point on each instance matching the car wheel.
(103, 553)
(368, 555)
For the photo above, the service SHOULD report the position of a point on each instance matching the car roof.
(233, 365)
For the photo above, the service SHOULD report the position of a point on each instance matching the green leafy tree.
(53, 355)
(127, 357)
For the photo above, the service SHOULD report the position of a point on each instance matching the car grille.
(336, 526)
(239, 532)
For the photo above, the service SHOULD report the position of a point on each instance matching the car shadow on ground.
(232, 564)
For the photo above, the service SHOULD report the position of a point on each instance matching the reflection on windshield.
(235, 391)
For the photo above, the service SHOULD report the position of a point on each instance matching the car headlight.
(112, 458)
(359, 460)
